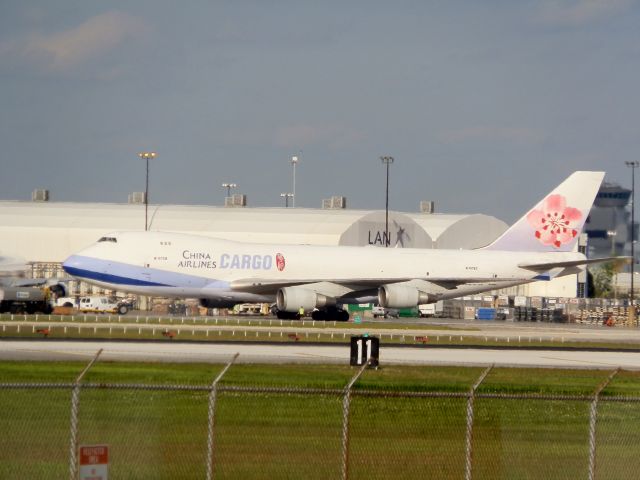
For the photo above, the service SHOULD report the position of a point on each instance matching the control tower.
(609, 223)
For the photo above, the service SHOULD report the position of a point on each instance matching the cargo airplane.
(322, 279)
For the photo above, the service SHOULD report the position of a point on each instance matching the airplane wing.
(38, 282)
(12, 266)
(13, 271)
(475, 288)
(357, 288)
(265, 286)
(543, 267)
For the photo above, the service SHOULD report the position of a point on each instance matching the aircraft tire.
(319, 315)
(287, 315)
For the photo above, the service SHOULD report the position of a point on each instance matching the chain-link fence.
(238, 431)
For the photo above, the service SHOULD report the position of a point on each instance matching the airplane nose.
(73, 265)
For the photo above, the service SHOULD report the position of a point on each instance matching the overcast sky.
(485, 106)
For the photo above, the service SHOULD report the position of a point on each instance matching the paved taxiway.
(301, 353)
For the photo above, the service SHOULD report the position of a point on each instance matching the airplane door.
(146, 269)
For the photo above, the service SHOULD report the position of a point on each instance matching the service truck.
(25, 300)
(94, 304)
(378, 311)
(431, 309)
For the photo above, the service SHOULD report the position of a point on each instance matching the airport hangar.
(45, 233)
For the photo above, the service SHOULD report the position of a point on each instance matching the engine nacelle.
(59, 290)
(216, 303)
(290, 299)
(402, 296)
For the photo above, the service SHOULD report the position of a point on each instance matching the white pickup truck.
(93, 304)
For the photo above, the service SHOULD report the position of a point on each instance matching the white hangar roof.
(460, 231)
(51, 231)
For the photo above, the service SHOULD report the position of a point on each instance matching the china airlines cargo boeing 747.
(539, 246)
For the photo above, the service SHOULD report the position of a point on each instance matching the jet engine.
(290, 299)
(402, 296)
(59, 290)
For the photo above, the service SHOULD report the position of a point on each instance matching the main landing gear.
(331, 314)
(287, 315)
(336, 314)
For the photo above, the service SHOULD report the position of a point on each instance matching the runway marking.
(584, 362)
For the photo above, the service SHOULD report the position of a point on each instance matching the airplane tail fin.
(556, 222)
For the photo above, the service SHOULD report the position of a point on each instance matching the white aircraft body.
(539, 246)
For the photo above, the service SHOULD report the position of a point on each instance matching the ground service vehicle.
(25, 300)
(379, 311)
(94, 304)
(431, 309)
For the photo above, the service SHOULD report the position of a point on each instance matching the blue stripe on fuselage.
(126, 274)
(107, 278)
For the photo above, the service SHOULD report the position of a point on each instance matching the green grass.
(300, 376)
(279, 436)
(152, 373)
(624, 383)
(152, 434)
(162, 434)
(408, 437)
(533, 439)
(399, 378)
(34, 442)
(544, 381)
(618, 438)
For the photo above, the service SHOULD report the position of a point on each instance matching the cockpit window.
(108, 239)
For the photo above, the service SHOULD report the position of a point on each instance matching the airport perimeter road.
(300, 353)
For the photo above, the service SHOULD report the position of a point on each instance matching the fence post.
(211, 414)
(593, 416)
(469, 436)
(345, 420)
(75, 404)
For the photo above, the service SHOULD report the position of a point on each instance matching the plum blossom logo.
(280, 261)
(555, 222)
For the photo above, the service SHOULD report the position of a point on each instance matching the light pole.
(229, 186)
(387, 161)
(286, 197)
(294, 162)
(146, 156)
(633, 165)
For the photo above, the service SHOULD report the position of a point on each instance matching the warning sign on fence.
(94, 462)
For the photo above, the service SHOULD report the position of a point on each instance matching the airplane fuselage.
(179, 265)
(300, 278)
